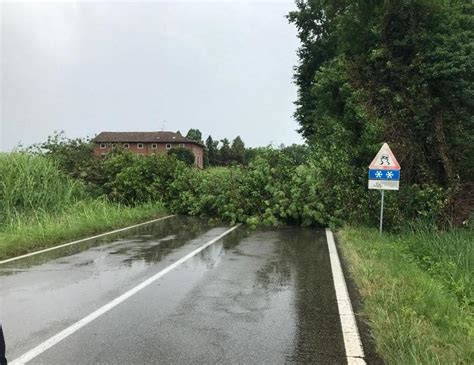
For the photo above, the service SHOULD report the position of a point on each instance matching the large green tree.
(395, 71)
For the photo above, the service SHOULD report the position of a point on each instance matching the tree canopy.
(237, 150)
(395, 71)
(194, 134)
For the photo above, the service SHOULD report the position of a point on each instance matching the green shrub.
(318, 185)
(183, 154)
(131, 179)
(275, 187)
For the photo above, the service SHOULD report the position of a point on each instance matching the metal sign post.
(384, 174)
(381, 212)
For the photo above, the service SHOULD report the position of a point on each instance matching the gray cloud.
(84, 67)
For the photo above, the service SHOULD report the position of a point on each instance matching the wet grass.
(33, 183)
(41, 207)
(27, 233)
(417, 289)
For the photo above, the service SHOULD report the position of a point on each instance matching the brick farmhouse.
(147, 143)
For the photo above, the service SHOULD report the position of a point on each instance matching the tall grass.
(446, 256)
(39, 206)
(417, 292)
(33, 232)
(31, 184)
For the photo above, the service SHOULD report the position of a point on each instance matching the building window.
(103, 154)
(154, 146)
(140, 146)
(181, 145)
(126, 145)
(103, 146)
(168, 146)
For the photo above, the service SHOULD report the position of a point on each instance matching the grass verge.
(417, 290)
(42, 230)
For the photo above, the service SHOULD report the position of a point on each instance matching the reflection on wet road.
(254, 297)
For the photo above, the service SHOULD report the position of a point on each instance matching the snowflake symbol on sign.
(389, 174)
(378, 174)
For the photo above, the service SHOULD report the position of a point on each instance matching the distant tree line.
(220, 152)
(226, 153)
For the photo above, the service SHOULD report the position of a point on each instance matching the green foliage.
(418, 292)
(225, 152)
(447, 257)
(237, 150)
(86, 217)
(40, 205)
(212, 151)
(318, 185)
(194, 134)
(296, 184)
(238, 194)
(74, 157)
(394, 71)
(298, 154)
(183, 154)
(133, 179)
(29, 184)
(275, 189)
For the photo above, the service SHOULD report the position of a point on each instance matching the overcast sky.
(224, 67)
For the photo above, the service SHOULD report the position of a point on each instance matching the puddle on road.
(61, 286)
(148, 244)
(293, 287)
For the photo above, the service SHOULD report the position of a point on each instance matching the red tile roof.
(163, 137)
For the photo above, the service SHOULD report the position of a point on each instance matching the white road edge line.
(352, 342)
(107, 307)
(82, 240)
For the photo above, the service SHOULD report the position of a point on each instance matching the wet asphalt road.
(255, 297)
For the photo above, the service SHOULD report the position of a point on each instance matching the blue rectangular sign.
(384, 174)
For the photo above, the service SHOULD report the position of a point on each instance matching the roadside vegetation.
(40, 206)
(275, 186)
(418, 292)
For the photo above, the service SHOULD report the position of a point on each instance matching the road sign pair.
(384, 171)
(384, 174)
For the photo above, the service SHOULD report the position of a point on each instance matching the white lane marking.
(107, 307)
(83, 239)
(350, 332)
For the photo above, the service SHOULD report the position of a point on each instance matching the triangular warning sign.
(385, 160)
